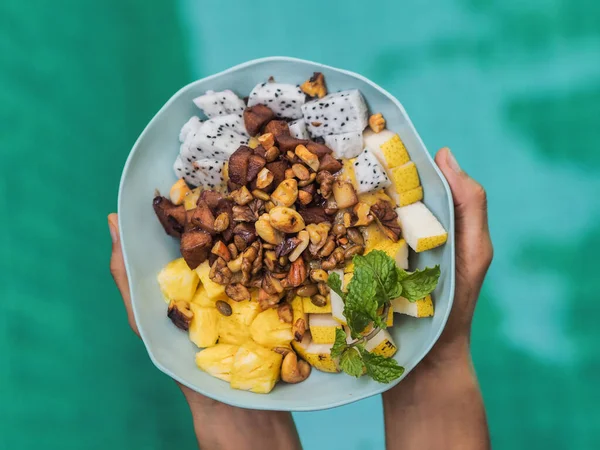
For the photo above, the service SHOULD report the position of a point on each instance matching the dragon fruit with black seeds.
(184, 168)
(190, 126)
(215, 104)
(298, 129)
(210, 173)
(285, 100)
(233, 122)
(345, 145)
(337, 113)
(370, 174)
(213, 140)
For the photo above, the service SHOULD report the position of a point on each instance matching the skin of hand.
(217, 425)
(439, 404)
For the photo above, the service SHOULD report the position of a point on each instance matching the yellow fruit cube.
(311, 308)
(382, 344)
(255, 368)
(409, 197)
(347, 172)
(213, 290)
(253, 143)
(218, 360)
(322, 328)
(190, 200)
(370, 198)
(421, 308)
(394, 152)
(200, 298)
(420, 227)
(204, 326)
(235, 329)
(269, 331)
(177, 281)
(317, 355)
(404, 177)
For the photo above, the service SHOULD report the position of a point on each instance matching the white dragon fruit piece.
(233, 122)
(298, 129)
(285, 100)
(345, 145)
(370, 174)
(213, 140)
(184, 169)
(337, 113)
(210, 173)
(215, 104)
(191, 125)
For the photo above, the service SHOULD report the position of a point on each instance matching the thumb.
(470, 200)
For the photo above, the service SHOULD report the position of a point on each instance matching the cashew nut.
(294, 370)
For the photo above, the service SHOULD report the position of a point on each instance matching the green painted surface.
(512, 88)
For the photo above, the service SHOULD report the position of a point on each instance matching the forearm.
(220, 426)
(437, 406)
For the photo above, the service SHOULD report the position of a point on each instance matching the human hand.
(474, 253)
(213, 419)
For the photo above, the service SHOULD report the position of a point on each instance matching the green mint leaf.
(360, 307)
(384, 272)
(335, 283)
(380, 368)
(351, 362)
(340, 343)
(419, 283)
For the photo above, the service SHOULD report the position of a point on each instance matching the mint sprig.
(375, 282)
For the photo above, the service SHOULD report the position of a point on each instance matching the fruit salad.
(296, 210)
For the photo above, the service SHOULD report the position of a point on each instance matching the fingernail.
(112, 227)
(451, 160)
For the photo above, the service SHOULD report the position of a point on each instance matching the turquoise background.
(512, 87)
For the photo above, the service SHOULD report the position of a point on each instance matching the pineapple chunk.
(317, 355)
(218, 360)
(370, 198)
(270, 332)
(255, 368)
(191, 199)
(213, 290)
(235, 329)
(420, 228)
(420, 308)
(382, 344)
(347, 172)
(201, 299)
(311, 308)
(204, 326)
(322, 328)
(177, 281)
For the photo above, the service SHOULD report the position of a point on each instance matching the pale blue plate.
(147, 248)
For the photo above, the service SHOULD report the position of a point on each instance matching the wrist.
(448, 352)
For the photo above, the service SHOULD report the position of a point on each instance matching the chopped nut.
(267, 140)
(239, 242)
(318, 300)
(257, 206)
(356, 236)
(237, 292)
(304, 197)
(309, 158)
(180, 314)
(272, 154)
(362, 211)
(271, 284)
(290, 155)
(246, 232)
(294, 370)
(286, 193)
(307, 290)
(283, 351)
(330, 264)
(311, 179)
(266, 300)
(221, 222)
(318, 275)
(298, 329)
(344, 194)
(318, 235)
(339, 229)
(269, 206)
(266, 231)
(330, 164)
(377, 122)
(339, 255)
(286, 219)
(314, 215)
(284, 311)
(262, 195)
(178, 192)
(270, 260)
(323, 289)
(243, 214)
(300, 171)
(325, 180)
(242, 196)
(353, 250)
(347, 220)
(315, 86)
(219, 272)
(264, 178)
(328, 248)
(220, 249)
(289, 173)
(387, 219)
(343, 240)
(302, 245)
(287, 246)
(233, 250)
(223, 307)
(283, 261)
(297, 274)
